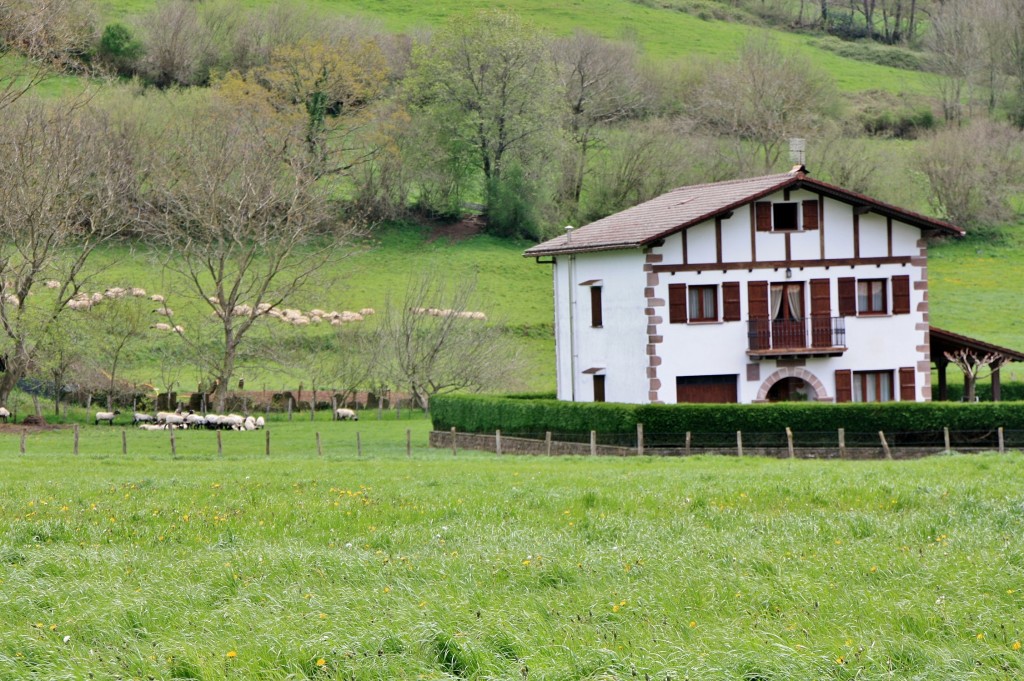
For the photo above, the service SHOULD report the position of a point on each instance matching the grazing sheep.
(139, 417)
(344, 414)
(137, 292)
(107, 416)
(79, 304)
(241, 311)
(260, 423)
(51, 283)
(367, 311)
(178, 328)
(160, 326)
(115, 292)
(249, 423)
(4, 414)
(195, 420)
(152, 426)
(157, 298)
(165, 311)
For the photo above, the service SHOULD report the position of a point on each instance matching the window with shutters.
(872, 386)
(596, 314)
(785, 217)
(677, 303)
(871, 297)
(702, 303)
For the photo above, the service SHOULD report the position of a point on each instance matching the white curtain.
(796, 302)
(776, 300)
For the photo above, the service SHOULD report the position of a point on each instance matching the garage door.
(706, 388)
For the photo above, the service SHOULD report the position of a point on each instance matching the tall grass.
(479, 566)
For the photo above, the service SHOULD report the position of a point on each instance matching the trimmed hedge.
(1011, 391)
(483, 414)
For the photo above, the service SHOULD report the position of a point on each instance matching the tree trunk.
(969, 387)
(15, 372)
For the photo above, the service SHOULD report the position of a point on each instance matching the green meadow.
(483, 567)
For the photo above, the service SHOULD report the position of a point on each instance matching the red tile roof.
(687, 206)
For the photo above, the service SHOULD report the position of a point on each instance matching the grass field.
(480, 567)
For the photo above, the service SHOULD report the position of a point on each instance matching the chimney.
(568, 234)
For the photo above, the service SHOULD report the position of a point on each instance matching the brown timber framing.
(753, 232)
(718, 239)
(834, 262)
(821, 225)
(888, 234)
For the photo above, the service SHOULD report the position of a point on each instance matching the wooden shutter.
(596, 316)
(677, 303)
(821, 313)
(847, 297)
(731, 301)
(901, 294)
(763, 215)
(759, 331)
(844, 385)
(908, 389)
(810, 214)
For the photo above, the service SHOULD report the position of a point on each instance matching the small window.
(703, 303)
(871, 297)
(599, 387)
(784, 217)
(596, 316)
(872, 386)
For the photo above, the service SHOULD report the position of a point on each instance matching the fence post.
(547, 442)
(268, 443)
(124, 442)
(789, 442)
(842, 443)
(289, 409)
(319, 449)
(23, 433)
(1001, 447)
(885, 445)
(220, 445)
(408, 443)
(312, 408)
(739, 443)
(380, 407)
(688, 437)
(174, 447)
(76, 440)
(359, 445)
(334, 404)
(593, 443)
(497, 442)
(945, 438)
(639, 439)
(454, 448)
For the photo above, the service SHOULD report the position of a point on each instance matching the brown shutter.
(847, 297)
(901, 294)
(596, 317)
(908, 389)
(677, 303)
(763, 213)
(759, 331)
(844, 385)
(731, 301)
(810, 214)
(821, 313)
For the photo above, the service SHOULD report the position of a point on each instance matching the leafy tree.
(487, 83)
(115, 325)
(118, 48)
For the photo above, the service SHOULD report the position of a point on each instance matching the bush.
(119, 49)
(511, 205)
(485, 414)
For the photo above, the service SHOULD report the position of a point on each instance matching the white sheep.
(367, 311)
(260, 423)
(241, 310)
(178, 329)
(5, 414)
(249, 423)
(107, 416)
(195, 420)
(157, 298)
(137, 292)
(165, 311)
(139, 417)
(152, 426)
(345, 414)
(51, 283)
(96, 298)
(115, 292)
(160, 326)
(78, 304)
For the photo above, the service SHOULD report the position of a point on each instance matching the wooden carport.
(943, 341)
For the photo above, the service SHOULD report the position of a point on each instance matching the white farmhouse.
(769, 288)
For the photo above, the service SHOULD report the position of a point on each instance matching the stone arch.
(821, 395)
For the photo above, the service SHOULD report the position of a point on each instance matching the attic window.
(784, 217)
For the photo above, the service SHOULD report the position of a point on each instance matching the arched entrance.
(791, 389)
(807, 386)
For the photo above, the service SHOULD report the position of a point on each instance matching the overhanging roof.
(687, 206)
(943, 341)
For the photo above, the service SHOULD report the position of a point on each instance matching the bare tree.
(240, 213)
(431, 343)
(115, 325)
(975, 366)
(957, 55)
(66, 186)
(178, 47)
(601, 83)
(765, 98)
(973, 172)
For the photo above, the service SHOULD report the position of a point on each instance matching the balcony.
(792, 339)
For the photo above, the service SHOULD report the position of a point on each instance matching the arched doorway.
(814, 390)
(792, 389)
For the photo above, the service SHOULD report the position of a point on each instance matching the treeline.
(488, 113)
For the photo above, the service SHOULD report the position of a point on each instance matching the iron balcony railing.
(795, 335)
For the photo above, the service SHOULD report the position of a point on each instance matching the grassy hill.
(665, 34)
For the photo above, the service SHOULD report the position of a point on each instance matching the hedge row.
(485, 414)
(1010, 392)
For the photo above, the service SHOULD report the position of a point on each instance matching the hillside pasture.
(477, 566)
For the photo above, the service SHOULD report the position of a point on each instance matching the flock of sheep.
(173, 420)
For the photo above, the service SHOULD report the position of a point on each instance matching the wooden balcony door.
(788, 318)
(821, 313)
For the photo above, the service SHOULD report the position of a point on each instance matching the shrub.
(485, 414)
